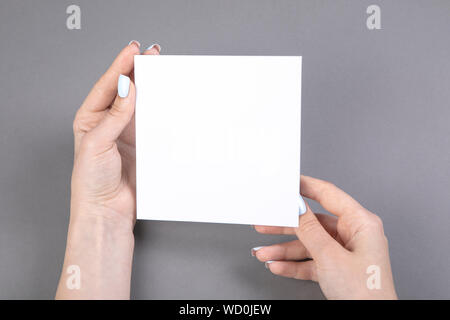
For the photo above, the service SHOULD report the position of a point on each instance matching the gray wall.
(376, 110)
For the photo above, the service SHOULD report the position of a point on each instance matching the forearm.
(102, 252)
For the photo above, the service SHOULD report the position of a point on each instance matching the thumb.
(118, 115)
(313, 235)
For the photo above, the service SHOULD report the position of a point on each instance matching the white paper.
(218, 139)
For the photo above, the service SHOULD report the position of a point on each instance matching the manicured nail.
(155, 45)
(135, 42)
(266, 264)
(123, 86)
(255, 249)
(301, 206)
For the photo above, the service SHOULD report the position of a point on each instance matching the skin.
(100, 239)
(103, 202)
(334, 251)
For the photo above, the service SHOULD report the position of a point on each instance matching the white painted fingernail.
(301, 206)
(155, 45)
(123, 86)
(136, 42)
(266, 264)
(255, 249)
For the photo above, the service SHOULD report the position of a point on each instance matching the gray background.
(376, 110)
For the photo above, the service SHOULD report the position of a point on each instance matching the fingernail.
(266, 264)
(155, 45)
(136, 42)
(255, 249)
(301, 206)
(123, 86)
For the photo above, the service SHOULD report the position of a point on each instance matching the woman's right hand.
(348, 254)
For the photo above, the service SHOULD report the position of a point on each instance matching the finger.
(314, 237)
(154, 49)
(275, 230)
(327, 221)
(117, 117)
(104, 91)
(292, 250)
(305, 270)
(94, 107)
(330, 197)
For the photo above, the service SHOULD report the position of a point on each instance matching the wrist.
(107, 216)
(102, 235)
(99, 231)
(101, 247)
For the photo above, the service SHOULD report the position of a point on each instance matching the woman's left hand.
(100, 241)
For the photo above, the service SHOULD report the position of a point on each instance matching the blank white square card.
(218, 139)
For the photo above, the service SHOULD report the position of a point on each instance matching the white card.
(218, 139)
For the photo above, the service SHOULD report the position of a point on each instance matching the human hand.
(104, 173)
(340, 253)
(103, 204)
